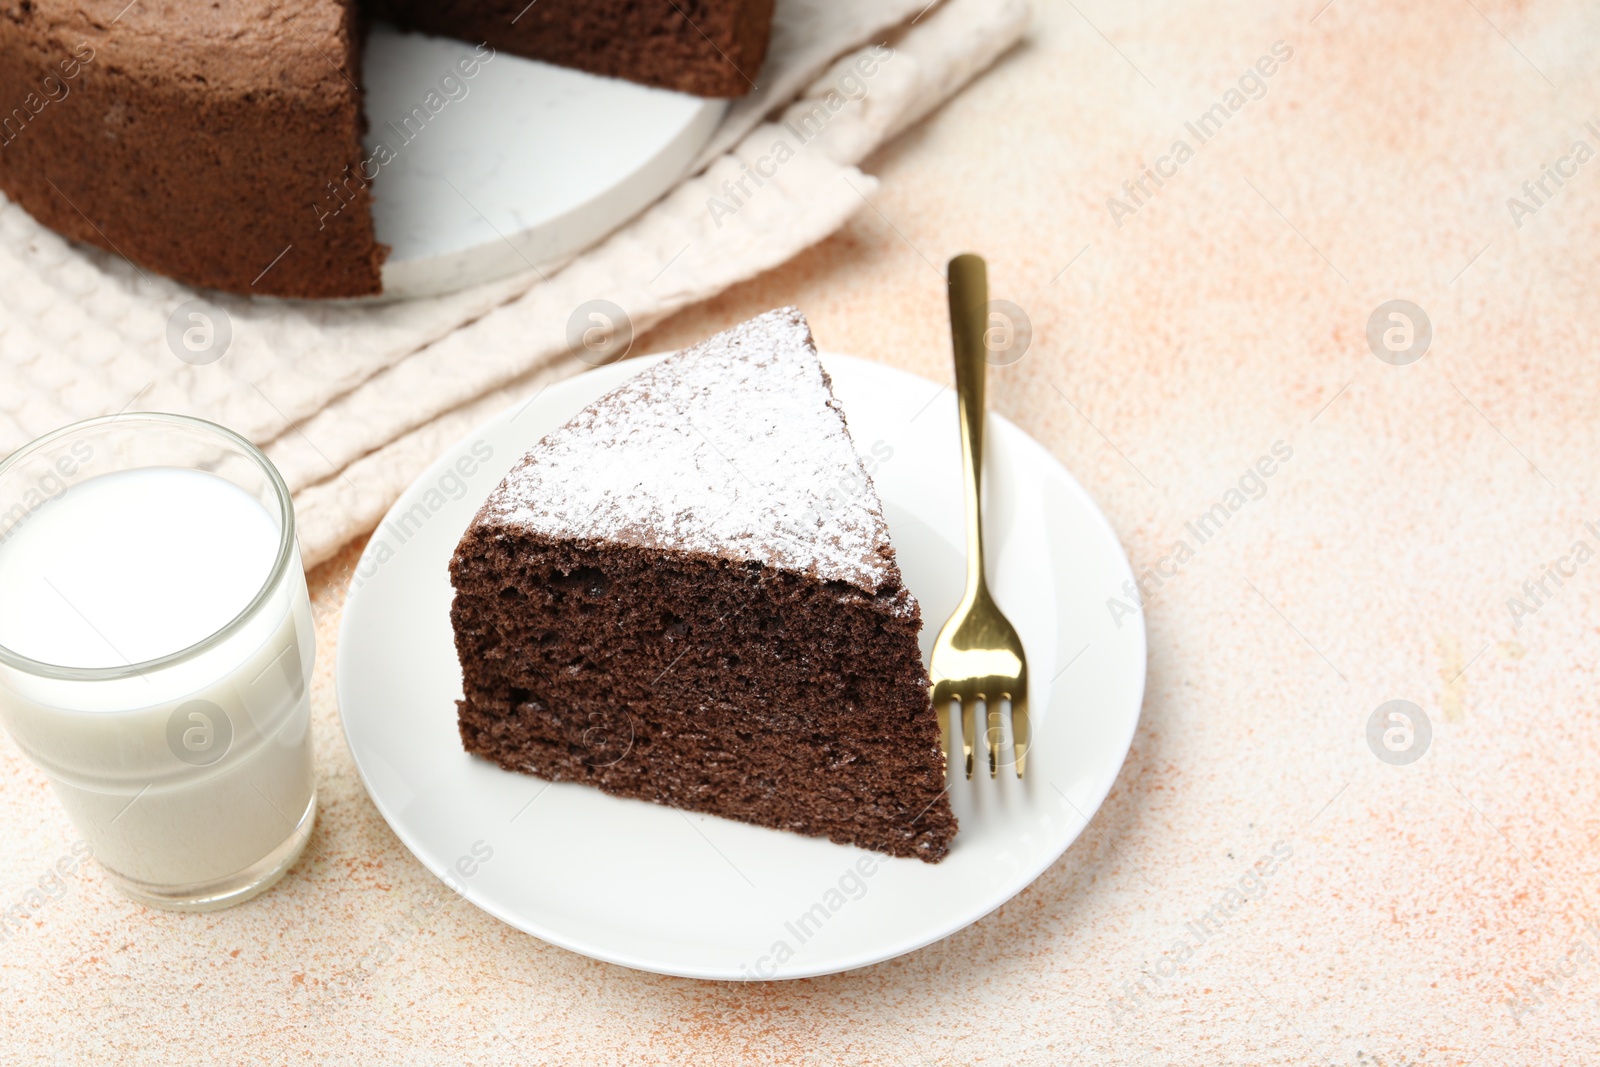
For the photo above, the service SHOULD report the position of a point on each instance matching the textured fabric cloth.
(351, 400)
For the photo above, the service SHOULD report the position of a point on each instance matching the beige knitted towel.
(352, 400)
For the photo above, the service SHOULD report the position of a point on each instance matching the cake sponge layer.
(734, 689)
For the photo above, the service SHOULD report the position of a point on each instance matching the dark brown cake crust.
(704, 47)
(728, 688)
(192, 140)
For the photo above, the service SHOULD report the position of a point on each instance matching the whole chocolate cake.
(687, 595)
(202, 140)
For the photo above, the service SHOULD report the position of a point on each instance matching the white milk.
(184, 775)
(132, 566)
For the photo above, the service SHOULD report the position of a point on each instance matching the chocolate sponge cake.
(687, 595)
(193, 139)
(704, 47)
(206, 141)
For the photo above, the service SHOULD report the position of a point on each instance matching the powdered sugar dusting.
(734, 448)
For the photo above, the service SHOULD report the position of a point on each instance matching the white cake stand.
(518, 164)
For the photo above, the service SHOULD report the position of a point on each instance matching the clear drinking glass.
(190, 775)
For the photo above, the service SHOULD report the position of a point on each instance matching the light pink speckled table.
(1438, 912)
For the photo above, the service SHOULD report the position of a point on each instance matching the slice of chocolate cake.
(687, 595)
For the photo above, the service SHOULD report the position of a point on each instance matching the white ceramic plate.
(699, 896)
(521, 163)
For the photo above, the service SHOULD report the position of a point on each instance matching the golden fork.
(978, 655)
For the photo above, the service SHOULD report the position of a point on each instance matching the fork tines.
(992, 695)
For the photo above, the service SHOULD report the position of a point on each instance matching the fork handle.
(969, 320)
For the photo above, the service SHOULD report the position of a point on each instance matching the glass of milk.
(156, 648)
